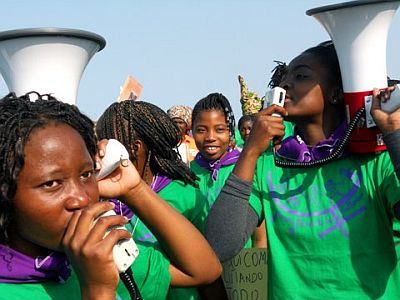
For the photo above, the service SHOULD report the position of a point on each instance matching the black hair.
(246, 118)
(216, 101)
(18, 118)
(278, 72)
(328, 58)
(129, 120)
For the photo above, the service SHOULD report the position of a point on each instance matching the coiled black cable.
(130, 284)
(336, 153)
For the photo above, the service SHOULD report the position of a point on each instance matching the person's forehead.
(177, 119)
(305, 58)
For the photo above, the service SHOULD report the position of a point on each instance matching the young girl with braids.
(330, 226)
(151, 138)
(49, 199)
(214, 133)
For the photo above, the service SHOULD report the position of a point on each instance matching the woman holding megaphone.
(50, 245)
(329, 223)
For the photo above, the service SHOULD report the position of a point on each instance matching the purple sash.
(293, 148)
(231, 156)
(16, 267)
(160, 182)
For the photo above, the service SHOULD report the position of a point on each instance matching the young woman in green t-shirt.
(49, 199)
(213, 127)
(151, 138)
(330, 225)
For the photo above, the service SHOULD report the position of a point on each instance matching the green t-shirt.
(186, 199)
(190, 202)
(211, 188)
(150, 271)
(329, 228)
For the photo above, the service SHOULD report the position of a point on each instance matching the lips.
(288, 98)
(211, 149)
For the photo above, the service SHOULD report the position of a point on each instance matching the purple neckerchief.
(293, 148)
(159, 182)
(16, 267)
(231, 156)
(122, 209)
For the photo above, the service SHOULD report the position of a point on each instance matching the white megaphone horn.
(359, 31)
(47, 60)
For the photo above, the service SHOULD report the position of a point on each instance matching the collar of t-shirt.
(231, 156)
(295, 149)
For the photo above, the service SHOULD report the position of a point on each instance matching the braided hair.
(216, 101)
(18, 118)
(128, 121)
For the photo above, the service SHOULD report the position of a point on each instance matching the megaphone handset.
(125, 251)
(275, 96)
(115, 154)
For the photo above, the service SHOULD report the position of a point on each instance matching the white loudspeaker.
(47, 60)
(359, 31)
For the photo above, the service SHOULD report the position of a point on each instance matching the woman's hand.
(265, 129)
(90, 254)
(121, 181)
(386, 121)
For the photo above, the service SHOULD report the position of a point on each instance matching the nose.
(77, 197)
(210, 136)
(248, 131)
(285, 84)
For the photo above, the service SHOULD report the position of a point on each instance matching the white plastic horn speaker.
(359, 31)
(47, 60)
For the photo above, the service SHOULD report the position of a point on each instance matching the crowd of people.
(193, 195)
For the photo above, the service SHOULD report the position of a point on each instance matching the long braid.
(219, 102)
(128, 121)
(18, 118)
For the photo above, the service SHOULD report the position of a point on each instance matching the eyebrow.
(301, 66)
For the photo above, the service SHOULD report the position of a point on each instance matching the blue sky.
(181, 51)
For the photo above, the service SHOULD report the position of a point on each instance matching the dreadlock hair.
(246, 118)
(278, 73)
(128, 121)
(18, 118)
(216, 101)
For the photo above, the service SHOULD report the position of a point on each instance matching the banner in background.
(131, 89)
(246, 275)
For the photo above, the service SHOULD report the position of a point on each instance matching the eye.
(51, 184)
(200, 130)
(87, 174)
(221, 129)
(300, 76)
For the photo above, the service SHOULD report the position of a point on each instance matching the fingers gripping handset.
(394, 102)
(125, 251)
(115, 152)
(275, 96)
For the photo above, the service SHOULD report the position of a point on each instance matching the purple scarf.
(159, 182)
(231, 156)
(16, 267)
(293, 148)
